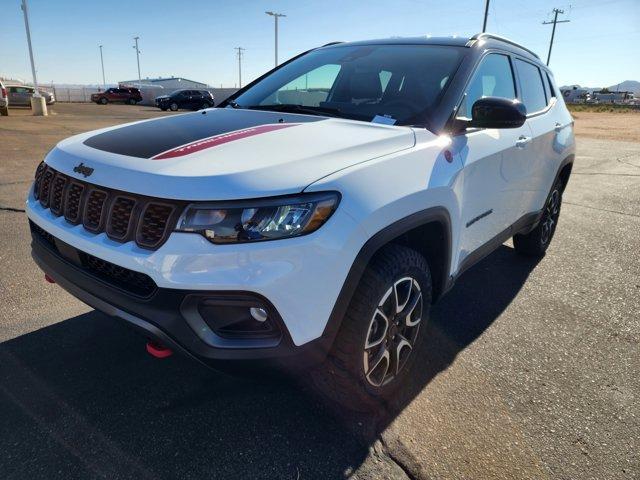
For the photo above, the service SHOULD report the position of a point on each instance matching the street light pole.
(25, 11)
(276, 16)
(138, 59)
(104, 82)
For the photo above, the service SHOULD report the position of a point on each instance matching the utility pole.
(240, 50)
(138, 59)
(486, 14)
(556, 11)
(104, 82)
(276, 16)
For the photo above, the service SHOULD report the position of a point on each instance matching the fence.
(73, 94)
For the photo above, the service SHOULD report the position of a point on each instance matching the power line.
(239, 53)
(555, 21)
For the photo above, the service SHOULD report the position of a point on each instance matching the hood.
(224, 154)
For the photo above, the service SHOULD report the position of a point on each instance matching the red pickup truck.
(113, 95)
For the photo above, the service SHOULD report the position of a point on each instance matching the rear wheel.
(4, 111)
(103, 100)
(536, 242)
(131, 101)
(382, 332)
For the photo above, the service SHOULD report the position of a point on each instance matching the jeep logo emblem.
(83, 170)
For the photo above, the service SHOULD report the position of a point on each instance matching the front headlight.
(259, 220)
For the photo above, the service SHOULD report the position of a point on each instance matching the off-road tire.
(341, 378)
(536, 242)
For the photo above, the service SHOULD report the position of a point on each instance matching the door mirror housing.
(495, 112)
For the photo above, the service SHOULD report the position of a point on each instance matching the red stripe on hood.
(220, 140)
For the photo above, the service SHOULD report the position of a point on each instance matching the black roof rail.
(330, 43)
(480, 36)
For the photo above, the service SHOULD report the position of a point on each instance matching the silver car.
(21, 95)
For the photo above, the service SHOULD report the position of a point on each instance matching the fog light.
(258, 314)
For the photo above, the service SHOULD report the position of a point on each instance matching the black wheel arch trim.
(383, 237)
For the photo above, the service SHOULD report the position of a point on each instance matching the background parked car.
(4, 100)
(117, 95)
(190, 99)
(21, 95)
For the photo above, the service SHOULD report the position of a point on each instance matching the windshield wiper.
(295, 108)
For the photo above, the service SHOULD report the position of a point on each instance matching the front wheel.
(382, 332)
(536, 242)
(173, 107)
(103, 101)
(131, 101)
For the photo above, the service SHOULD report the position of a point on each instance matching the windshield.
(393, 84)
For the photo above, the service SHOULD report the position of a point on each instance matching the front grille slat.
(38, 179)
(57, 194)
(45, 187)
(73, 202)
(153, 225)
(94, 210)
(122, 216)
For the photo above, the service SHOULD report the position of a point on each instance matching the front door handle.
(558, 127)
(523, 141)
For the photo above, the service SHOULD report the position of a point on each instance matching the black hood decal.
(148, 139)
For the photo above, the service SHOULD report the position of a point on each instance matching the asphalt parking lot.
(532, 370)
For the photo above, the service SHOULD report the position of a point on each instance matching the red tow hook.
(49, 279)
(158, 350)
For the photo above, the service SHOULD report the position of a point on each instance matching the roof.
(479, 39)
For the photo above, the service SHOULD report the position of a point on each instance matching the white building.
(169, 84)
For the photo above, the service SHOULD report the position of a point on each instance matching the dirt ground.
(608, 126)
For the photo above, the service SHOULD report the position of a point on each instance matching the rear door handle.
(523, 141)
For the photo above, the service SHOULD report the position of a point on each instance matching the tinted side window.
(533, 95)
(493, 78)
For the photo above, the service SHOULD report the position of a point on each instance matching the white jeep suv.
(313, 217)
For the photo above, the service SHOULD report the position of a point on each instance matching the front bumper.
(173, 317)
(300, 280)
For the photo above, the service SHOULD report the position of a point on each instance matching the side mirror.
(494, 112)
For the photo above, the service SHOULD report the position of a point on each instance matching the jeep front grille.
(122, 216)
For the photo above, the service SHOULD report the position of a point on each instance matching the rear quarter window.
(533, 90)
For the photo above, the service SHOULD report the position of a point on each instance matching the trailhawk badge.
(83, 169)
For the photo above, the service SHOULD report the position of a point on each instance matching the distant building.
(576, 94)
(169, 84)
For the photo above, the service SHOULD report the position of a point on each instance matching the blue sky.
(195, 39)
